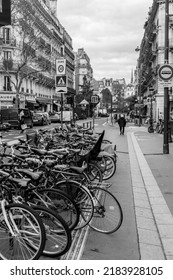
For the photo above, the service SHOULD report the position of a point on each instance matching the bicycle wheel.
(110, 167)
(28, 238)
(58, 235)
(82, 198)
(150, 129)
(61, 203)
(108, 215)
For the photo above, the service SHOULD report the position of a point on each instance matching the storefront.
(7, 100)
(45, 104)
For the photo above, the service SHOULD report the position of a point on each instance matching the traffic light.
(5, 12)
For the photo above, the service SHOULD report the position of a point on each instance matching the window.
(7, 85)
(7, 55)
(6, 35)
(62, 51)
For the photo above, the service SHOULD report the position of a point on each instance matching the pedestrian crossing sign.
(60, 81)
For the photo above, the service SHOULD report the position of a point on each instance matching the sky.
(108, 30)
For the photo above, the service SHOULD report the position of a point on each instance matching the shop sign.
(9, 97)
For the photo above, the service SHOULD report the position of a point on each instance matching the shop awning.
(31, 104)
(43, 101)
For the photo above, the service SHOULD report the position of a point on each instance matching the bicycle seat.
(39, 152)
(21, 182)
(76, 151)
(78, 169)
(31, 174)
(61, 166)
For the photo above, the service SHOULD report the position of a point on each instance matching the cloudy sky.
(108, 30)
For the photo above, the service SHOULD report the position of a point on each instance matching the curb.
(153, 217)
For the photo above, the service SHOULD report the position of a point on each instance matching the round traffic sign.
(166, 72)
(60, 68)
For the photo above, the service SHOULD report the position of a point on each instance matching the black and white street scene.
(86, 130)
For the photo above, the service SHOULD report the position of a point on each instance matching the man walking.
(122, 124)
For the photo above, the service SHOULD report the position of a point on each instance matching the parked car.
(12, 116)
(41, 118)
(104, 115)
(55, 118)
(38, 119)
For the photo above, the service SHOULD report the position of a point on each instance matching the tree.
(28, 61)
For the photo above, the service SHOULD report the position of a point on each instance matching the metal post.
(111, 111)
(93, 118)
(166, 89)
(61, 110)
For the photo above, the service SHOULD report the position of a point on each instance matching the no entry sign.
(166, 72)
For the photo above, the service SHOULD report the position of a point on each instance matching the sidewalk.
(152, 177)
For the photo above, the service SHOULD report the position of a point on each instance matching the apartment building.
(151, 57)
(29, 48)
(83, 70)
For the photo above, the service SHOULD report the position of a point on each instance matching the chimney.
(53, 6)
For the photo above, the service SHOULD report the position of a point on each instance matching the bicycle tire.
(150, 129)
(62, 204)
(108, 214)
(82, 198)
(21, 246)
(110, 167)
(58, 234)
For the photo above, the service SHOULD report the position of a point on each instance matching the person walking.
(122, 123)
(115, 118)
(161, 117)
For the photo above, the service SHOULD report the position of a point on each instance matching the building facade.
(151, 57)
(29, 48)
(83, 70)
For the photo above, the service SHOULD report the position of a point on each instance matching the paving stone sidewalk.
(152, 178)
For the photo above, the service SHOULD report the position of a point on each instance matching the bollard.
(87, 124)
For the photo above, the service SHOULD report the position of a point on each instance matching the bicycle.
(58, 235)
(22, 233)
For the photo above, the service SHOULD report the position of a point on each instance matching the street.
(146, 231)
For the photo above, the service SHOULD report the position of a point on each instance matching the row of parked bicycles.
(53, 183)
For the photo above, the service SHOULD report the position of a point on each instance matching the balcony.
(8, 42)
(7, 88)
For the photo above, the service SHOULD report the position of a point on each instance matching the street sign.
(165, 76)
(94, 99)
(60, 84)
(165, 72)
(60, 81)
(60, 66)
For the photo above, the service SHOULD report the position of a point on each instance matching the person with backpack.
(122, 123)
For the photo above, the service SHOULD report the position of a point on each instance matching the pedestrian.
(115, 117)
(22, 121)
(160, 117)
(122, 123)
